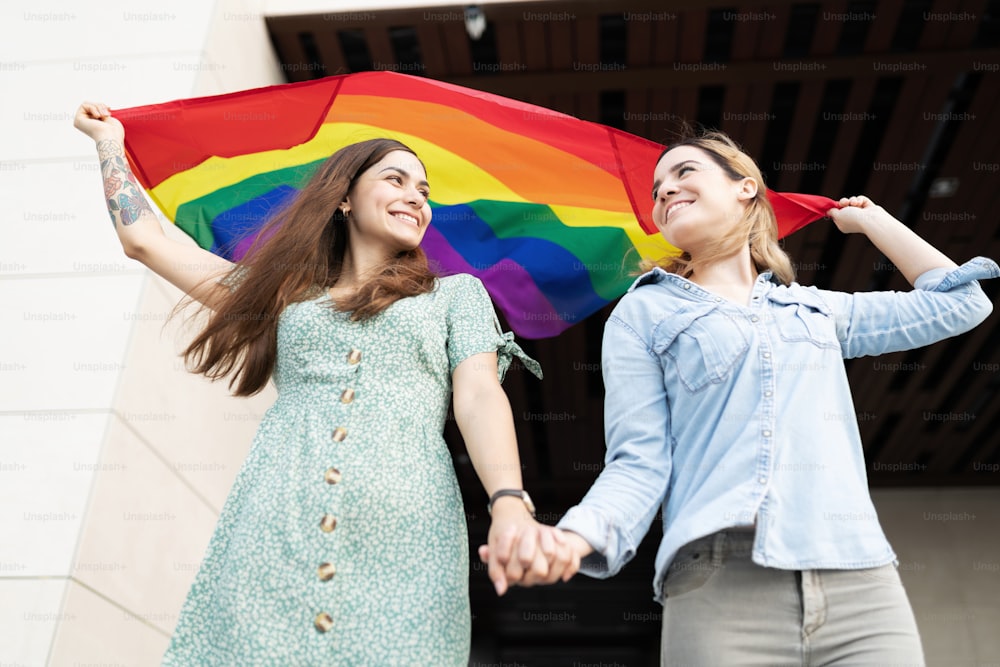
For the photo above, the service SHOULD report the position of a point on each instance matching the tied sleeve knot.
(507, 350)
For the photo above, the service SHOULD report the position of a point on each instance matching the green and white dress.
(343, 540)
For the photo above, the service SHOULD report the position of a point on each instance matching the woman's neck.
(357, 268)
(732, 277)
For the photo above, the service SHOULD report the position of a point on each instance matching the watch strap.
(519, 493)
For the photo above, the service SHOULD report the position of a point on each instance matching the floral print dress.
(343, 540)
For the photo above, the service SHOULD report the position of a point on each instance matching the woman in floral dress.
(343, 540)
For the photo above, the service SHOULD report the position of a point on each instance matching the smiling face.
(695, 201)
(389, 204)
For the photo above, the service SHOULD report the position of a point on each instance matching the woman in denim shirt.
(728, 410)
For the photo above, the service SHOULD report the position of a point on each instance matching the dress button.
(762, 480)
(328, 523)
(687, 287)
(339, 434)
(326, 571)
(347, 396)
(766, 355)
(767, 434)
(354, 356)
(323, 621)
(332, 476)
(718, 299)
(767, 394)
(755, 318)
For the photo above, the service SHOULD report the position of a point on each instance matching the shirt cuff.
(943, 280)
(593, 527)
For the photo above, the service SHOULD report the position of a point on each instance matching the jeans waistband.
(728, 542)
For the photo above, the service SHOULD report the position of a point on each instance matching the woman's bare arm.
(190, 268)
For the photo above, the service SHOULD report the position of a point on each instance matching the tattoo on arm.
(126, 203)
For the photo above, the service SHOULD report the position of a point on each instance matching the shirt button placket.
(762, 479)
(755, 319)
(764, 461)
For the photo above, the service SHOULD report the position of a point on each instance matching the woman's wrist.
(877, 219)
(509, 507)
(578, 544)
(108, 139)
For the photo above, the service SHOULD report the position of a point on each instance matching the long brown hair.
(759, 228)
(299, 251)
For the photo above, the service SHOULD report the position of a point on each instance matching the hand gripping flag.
(552, 213)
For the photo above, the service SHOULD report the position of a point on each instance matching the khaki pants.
(722, 609)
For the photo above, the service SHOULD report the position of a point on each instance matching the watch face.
(527, 501)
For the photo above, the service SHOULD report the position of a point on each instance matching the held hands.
(523, 552)
(857, 214)
(95, 120)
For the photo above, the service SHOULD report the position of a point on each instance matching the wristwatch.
(520, 493)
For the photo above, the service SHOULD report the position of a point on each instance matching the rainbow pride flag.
(552, 213)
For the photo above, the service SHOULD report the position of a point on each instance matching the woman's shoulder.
(458, 285)
(645, 306)
(458, 280)
(654, 289)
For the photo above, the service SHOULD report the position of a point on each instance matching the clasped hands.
(523, 552)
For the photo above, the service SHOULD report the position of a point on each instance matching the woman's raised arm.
(912, 255)
(188, 267)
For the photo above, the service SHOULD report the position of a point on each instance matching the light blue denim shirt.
(725, 415)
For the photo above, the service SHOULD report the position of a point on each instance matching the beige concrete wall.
(114, 462)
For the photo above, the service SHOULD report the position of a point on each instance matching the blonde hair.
(759, 228)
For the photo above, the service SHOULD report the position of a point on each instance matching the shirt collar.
(649, 278)
(658, 275)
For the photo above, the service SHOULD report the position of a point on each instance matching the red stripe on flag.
(177, 136)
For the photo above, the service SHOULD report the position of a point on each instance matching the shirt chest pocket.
(802, 317)
(704, 343)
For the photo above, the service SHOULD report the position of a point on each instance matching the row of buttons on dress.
(328, 523)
